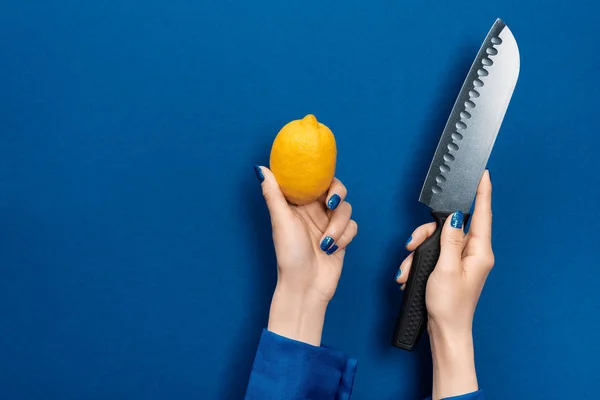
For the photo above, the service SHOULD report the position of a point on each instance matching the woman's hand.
(310, 244)
(453, 290)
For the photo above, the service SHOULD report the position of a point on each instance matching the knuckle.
(425, 230)
(407, 263)
(350, 232)
(268, 193)
(455, 240)
(352, 227)
(349, 207)
(336, 231)
(488, 260)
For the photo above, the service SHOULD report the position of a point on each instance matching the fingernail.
(490, 174)
(408, 241)
(333, 202)
(457, 220)
(259, 173)
(398, 273)
(332, 249)
(326, 243)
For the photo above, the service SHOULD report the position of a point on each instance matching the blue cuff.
(285, 369)
(478, 395)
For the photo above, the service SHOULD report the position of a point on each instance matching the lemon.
(303, 159)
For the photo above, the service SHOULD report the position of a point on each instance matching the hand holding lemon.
(310, 232)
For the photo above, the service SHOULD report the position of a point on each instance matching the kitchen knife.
(459, 162)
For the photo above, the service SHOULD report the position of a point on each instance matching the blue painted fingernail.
(398, 273)
(457, 220)
(334, 201)
(408, 241)
(332, 249)
(259, 173)
(326, 243)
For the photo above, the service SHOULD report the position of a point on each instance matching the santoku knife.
(459, 163)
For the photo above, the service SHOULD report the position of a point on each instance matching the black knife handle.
(412, 319)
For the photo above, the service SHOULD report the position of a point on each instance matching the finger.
(419, 236)
(276, 202)
(404, 270)
(317, 215)
(336, 194)
(451, 242)
(480, 233)
(337, 225)
(310, 224)
(347, 237)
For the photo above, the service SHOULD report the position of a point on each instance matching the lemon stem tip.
(312, 120)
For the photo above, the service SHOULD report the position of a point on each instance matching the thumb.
(452, 242)
(276, 202)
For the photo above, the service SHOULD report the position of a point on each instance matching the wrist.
(297, 315)
(453, 358)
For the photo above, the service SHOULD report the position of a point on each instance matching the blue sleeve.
(478, 395)
(285, 369)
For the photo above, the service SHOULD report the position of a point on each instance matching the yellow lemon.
(303, 159)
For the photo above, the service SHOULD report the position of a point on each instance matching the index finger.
(480, 232)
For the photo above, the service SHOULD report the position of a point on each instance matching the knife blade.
(459, 162)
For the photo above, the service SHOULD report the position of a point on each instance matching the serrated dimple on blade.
(469, 135)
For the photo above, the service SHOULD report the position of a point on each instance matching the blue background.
(135, 252)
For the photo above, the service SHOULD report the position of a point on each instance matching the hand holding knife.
(459, 162)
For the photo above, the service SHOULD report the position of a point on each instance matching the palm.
(298, 253)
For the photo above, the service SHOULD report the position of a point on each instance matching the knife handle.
(412, 319)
